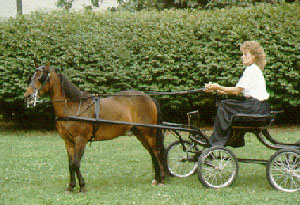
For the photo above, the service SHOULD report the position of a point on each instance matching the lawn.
(34, 170)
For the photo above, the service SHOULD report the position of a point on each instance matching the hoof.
(154, 182)
(69, 190)
(83, 190)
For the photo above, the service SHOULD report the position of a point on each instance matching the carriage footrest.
(251, 120)
(172, 124)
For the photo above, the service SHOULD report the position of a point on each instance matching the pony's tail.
(160, 138)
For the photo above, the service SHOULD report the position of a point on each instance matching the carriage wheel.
(217, 167)
(283, 170)
(182, 158)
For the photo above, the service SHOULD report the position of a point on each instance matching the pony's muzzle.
(31, 99)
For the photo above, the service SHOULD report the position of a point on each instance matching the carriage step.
(200, 140)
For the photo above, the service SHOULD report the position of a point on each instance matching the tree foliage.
(137, 5)
(150, 50)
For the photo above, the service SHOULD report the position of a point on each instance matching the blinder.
(42, 79)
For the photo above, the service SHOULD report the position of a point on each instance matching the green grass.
(34, 170)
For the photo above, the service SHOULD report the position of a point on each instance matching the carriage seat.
(251, 120)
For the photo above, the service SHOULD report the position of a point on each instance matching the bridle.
(43, 79)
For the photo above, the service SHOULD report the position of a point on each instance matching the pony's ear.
(47, 67)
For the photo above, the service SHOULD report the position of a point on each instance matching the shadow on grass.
(42, 125)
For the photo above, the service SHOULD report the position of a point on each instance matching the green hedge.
(150, 50)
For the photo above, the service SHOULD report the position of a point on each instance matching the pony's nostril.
(26, 95)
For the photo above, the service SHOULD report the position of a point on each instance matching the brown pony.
(128, 106)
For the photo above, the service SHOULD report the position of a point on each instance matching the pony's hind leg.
(147, 142)
(158, 165)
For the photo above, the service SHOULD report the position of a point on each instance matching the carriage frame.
(218, 166)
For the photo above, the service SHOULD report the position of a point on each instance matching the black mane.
(70, 91)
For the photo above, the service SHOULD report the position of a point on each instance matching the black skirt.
(227, 108)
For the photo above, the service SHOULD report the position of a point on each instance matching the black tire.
(217, 167)
(182, 158)
(283, 170)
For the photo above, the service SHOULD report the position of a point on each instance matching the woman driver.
(253, 86)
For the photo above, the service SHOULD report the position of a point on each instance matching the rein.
(44, 80)
(150, 93)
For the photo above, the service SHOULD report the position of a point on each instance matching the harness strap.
(97, 107)
(96, 125)
(78, 111)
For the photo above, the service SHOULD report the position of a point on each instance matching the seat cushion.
(251, 120)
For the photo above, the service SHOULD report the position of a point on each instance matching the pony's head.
(39, 83)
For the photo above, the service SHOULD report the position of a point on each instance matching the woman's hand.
(210, 87)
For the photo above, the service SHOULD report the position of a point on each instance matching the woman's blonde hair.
(256, 50)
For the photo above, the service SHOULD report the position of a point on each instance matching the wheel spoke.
(227, 162)
(295, 163)
(292, 183)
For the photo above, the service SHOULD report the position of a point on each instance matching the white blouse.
(253, 83)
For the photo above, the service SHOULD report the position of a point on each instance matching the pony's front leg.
(72, 175)
(77, 160)
(75, 152)
(80, 144)
(71, 150)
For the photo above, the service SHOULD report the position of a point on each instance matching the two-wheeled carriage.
(218, 166)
